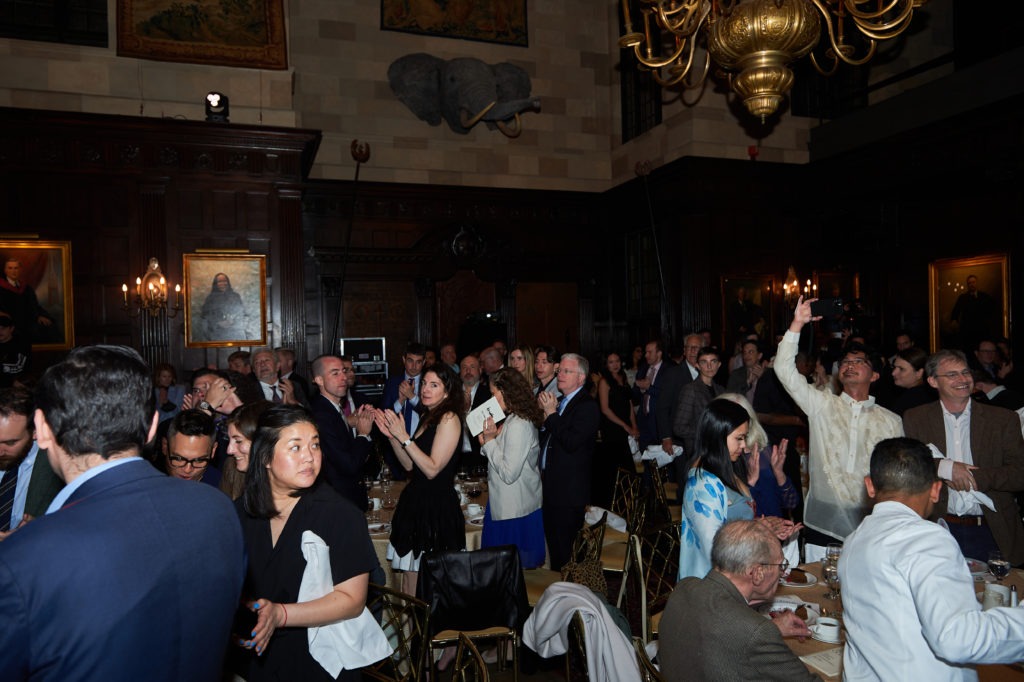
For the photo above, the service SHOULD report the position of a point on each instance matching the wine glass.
(832, 553)
(998, 565)
(831, 574)
(475, 489)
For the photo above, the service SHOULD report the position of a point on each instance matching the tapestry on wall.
(247, 33)
(492, 21)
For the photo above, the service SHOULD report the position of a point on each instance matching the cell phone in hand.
(828, 308)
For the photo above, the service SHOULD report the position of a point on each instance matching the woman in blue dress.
(715, 490)
(512, 449)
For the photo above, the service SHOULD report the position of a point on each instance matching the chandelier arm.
(867, 24)
(824, 72)
(667, 82)
(657, 64)
(838, 50)
(687, 25)
(691, 84)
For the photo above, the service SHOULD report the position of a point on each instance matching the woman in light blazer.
(513, 513)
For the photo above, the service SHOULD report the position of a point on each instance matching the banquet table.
(380, 539)
(815, 594)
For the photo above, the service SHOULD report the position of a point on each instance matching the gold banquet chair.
(469, 665)
(405, 620)
(648, 671)
(651, 571)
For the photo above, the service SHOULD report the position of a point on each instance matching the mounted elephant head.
(463, 92)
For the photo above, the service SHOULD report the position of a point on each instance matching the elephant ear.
(512, 82)
(416, 81)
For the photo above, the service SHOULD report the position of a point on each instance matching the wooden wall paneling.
(288, 257)
(425, 294)
(457, 298)
(381, 308)
(507, 310)
(548, 313)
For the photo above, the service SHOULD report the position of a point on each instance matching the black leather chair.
(480, 593)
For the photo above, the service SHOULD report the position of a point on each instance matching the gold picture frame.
(250, 35)
(45, 275)
(947, 283)
(219, 316)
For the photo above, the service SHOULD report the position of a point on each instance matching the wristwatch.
(405, 443)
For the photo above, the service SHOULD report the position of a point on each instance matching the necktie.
(275, 395)
(346, 409)
(647, 395)
(7, 488)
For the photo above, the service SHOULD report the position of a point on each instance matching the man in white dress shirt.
(908, 596)
(843, 430)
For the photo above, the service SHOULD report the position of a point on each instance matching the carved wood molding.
(94, 143)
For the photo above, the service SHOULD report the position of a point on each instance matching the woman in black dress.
(618, 422)
(281, 501)
(428, 516)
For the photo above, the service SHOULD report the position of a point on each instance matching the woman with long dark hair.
(428, 516)
(512, 515)
(618, 423)
(281, 501)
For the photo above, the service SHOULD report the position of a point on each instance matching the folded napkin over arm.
(346, 644)
(945, 472)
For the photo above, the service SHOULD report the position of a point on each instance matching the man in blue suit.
(131, 575)
(402, 394)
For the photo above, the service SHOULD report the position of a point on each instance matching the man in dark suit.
(343, 454)
(27, 483)
(714, 634)
(286, 370)
(649, 389)
(991, 461)
(131, 575)
(402, 394)
(567, 451)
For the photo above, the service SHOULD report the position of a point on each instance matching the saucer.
(814, 636)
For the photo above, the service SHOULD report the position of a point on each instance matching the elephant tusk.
(513, 130)
(470, 122)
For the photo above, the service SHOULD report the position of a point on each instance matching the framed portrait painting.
(225, 300)
(968, 300)
(36, 292)
(746, 308)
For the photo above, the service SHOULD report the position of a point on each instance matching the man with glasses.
(708, 630)
(188, 448)
(567, 452)
(130, 575)
(982, 460)
(843, 430)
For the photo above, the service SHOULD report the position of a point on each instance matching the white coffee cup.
(375, 503)
(474, 509)
(995, 595)
(826, 629)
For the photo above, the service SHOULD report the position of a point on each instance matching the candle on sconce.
(124, 292)
(138, 286)
(177, 295)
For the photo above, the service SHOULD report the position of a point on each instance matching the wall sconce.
(151, 294)
(792, 291)
(216, 107)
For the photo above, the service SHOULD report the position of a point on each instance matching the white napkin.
(345, 644)
(976, 495)
(659, 456)
(634, 446)
(615, 521)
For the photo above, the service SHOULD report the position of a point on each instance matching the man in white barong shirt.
(908, 596)
(843, 430)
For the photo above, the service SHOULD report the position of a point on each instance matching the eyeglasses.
(568, 371)
(952, 376)
(852, 362)
(783, 567)
(197, 463)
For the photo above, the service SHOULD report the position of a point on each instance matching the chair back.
(626, 493)
(651, 571)
(648, 671)
(469, 665)
(589, 540)
(576, 669)
(474, 590)
(404, 620)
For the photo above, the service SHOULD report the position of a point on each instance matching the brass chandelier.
(754, 41)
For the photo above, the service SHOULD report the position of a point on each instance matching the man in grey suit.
(709, 631)
(982, 451)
